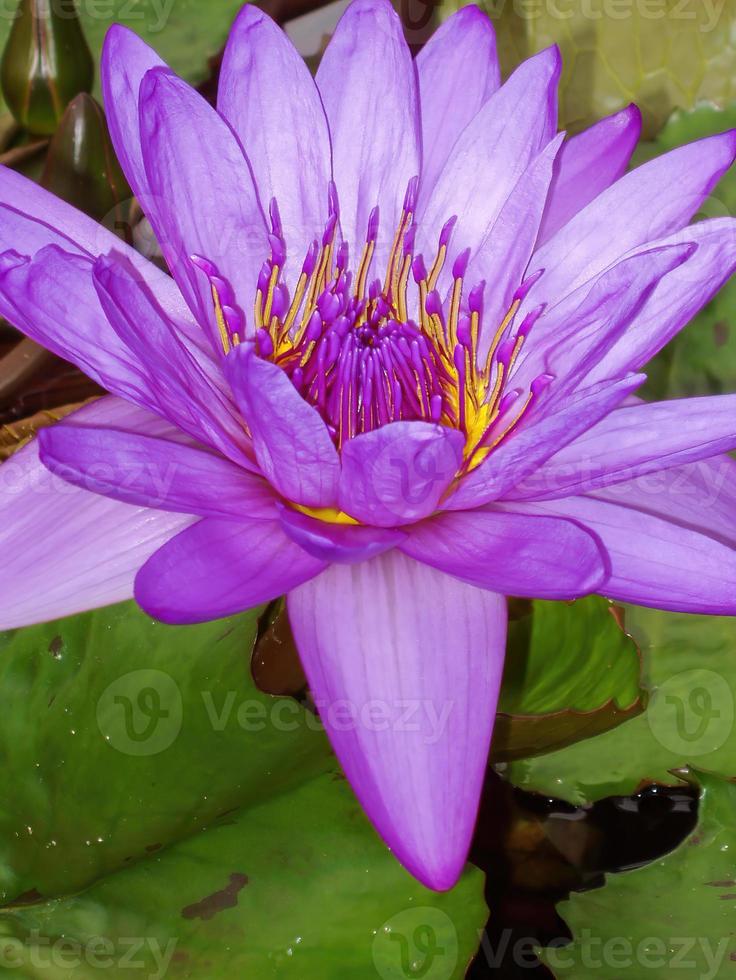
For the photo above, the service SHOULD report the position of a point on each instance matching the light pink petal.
(458, 71)
(589, 163)
(123, 65)
(405, 664)
(512, 553)
(218, 568)
(503, 256)
(66, 550)
(368, 86)
(491, 154)
(268, 96)
(653, 201)
(206, 203)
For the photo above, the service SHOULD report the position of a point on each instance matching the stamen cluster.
(355, 348)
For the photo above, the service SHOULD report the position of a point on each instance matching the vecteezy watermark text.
(144, 954)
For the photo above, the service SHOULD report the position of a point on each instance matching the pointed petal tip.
(435, 873)
(248, 17)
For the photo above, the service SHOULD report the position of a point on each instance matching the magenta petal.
(512, 553)
(699, 495)
(219, 567)
(575, 336)
(398, 473)
(338, 542)
(206, 203)
(270, 99)
(292, 444)
(654, 561)
(368, 86)
(151, 472)
(405, 664)
(66, 550)
(530, 446)
(675, 301)
(458, 71)
(636, 440)
(589, 163)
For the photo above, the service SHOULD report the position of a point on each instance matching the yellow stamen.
(330, 515)
(221, 324)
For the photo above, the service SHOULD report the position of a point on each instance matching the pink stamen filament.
(352, 351)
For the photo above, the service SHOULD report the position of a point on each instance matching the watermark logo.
(416, 943)
(692, 713)
(141, 712)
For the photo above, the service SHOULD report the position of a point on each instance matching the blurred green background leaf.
(689, 668)
(661, 54)
(571, 672)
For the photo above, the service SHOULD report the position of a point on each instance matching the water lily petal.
(151, 472)
(398, 473)
(654, 561)
(589, 163)
(206, 203)
(676, 300)
(512, 553)
(635, 440)
(410, 725)
(268, 96)
(572, 338)
(64, 549)
(180, 383)
(368, 86)
(503, 256)
(700, 495)
(52, 299)
(220, 567)
(338, 542)
(529, 446)
(31, 218)
(292, 444)
(124, 62)
(511, 129)
(458, 71)
(653, 201)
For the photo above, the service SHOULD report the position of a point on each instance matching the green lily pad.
(689, 670)
(119, 735)
(296, 886)
(571, 672)
(701, 360)
(661, 54)
(673, 917)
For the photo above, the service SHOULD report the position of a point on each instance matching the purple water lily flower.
(392, 378)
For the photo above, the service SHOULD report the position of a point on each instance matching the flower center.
(366, 352)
